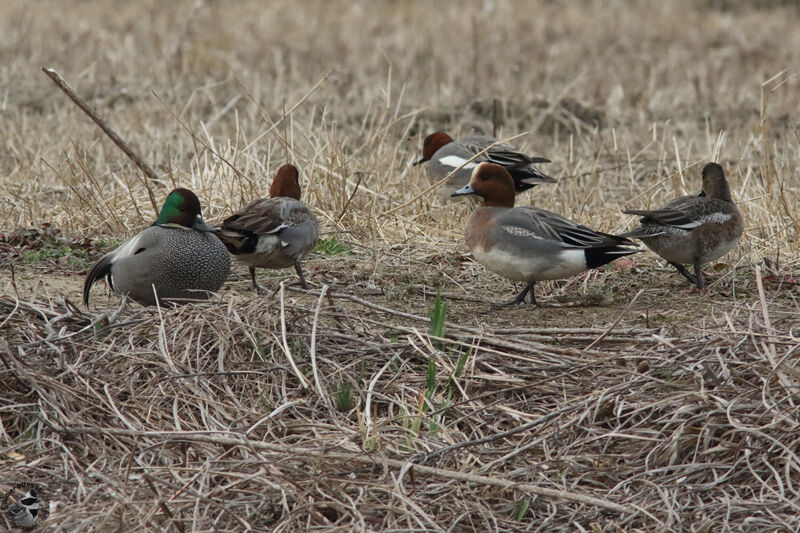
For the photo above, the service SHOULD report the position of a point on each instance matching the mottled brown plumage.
(693, 229)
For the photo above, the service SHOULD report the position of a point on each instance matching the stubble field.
(628, 402)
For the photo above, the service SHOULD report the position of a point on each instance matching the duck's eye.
(182, 208)
(484, 178)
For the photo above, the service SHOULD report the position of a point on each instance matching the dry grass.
(657, 409)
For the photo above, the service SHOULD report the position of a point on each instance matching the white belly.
(532, 267)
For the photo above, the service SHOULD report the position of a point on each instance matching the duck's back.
(271, 232)
(690, 228)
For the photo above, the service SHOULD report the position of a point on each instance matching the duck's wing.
(503, 154)
(290, 220)
(681, 213)
(535, 223)
(685, 213)
(519, 165)
(259, 217)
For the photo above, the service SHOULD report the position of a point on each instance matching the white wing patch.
(714, 218)
(454, 161)
(717, 218)
(277, 228)
(521, 232)
(689, 225)
(126, 250)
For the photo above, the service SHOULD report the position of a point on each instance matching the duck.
(693, 230)
(445, 155)
(275, 232)
(177, 258)
(529, 244)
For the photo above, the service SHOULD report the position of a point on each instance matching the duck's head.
(491, 182)
(182, 208)
(714, 183)
(431, 144)
(286, 183)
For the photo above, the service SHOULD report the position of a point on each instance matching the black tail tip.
(596, 257)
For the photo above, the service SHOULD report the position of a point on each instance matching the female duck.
(175, 258)
(693, 229)
(530, 244)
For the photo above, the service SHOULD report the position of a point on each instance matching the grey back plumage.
(285, 228)
(534, 227)
(522, 167)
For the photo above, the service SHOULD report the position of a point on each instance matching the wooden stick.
(80, 102)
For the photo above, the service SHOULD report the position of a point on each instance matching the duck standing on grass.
(274, 232)
(530, 244)
(175, 258)
(446, 155)
(693, 230)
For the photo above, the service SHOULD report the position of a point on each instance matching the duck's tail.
(528, 176)
(100, 269)
(596, 257)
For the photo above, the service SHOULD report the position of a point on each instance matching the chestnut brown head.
(286, 183)
(491, 182)
(432, 143)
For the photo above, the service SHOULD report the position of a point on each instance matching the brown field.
(628, 402)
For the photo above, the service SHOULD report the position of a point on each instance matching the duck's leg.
(686, 274)
(520, 298)
(299, 270)
(698, 274)
(256, 286)
(533, 295)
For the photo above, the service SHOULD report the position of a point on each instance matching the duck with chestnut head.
(444, 155)
(529, 244)
(275, 232)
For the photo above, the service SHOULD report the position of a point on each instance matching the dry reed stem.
(692, 408)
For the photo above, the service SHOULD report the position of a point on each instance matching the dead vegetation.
(361, 405)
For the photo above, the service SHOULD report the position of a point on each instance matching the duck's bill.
(466, 189)
(200, 225)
